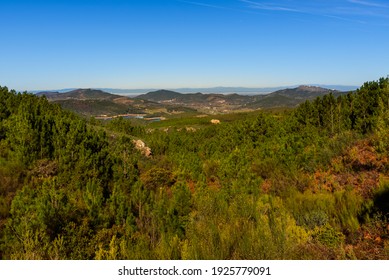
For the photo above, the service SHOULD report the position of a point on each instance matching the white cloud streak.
(201, 4)
(269, 7)
(346, 10)
(366, 3)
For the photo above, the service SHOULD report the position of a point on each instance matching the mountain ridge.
(97, 102)
(289, 97)
(81, 94)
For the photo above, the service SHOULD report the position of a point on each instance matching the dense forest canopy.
(310, 183)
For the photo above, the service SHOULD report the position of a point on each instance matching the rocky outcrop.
(141, 146)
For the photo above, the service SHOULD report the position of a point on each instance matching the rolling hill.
(289, 97)
(80, 94)
(92, 102)
(226, 102)
(167, 96)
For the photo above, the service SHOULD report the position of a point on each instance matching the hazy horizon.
(206, 90)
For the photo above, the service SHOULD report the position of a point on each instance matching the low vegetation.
(307, 183)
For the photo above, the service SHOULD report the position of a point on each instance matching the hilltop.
(94, 102)
(290, 97)
(91, 102)
(79, 94)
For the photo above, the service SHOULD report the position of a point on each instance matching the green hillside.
(289, 98)
(93, 107)
(307, 183)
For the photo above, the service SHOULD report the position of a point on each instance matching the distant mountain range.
(95, 102)
(223, 90)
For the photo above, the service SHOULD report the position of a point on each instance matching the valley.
(164, 104)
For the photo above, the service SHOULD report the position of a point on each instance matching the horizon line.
(194, 87)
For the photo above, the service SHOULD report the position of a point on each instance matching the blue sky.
(195, 43)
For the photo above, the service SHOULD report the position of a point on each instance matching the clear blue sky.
(200, 43)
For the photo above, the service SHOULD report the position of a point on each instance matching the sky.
(191, 43)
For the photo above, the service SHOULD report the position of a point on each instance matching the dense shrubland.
(311, 183)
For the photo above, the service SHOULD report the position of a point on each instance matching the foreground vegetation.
(311, 183)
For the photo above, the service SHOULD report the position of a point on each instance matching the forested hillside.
(312, 183)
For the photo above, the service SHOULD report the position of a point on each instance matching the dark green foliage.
(123, 125)
(359, 111)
